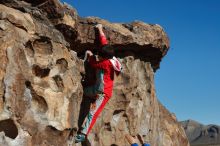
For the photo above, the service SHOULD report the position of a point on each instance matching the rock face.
(202, 135)
(41, 46)
(171, 133)
(40, 81)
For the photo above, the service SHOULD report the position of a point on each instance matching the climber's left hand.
(89, 53)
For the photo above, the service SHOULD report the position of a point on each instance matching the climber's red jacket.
(106, 75)
(105, 70)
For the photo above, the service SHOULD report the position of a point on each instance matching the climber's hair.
(106, 51)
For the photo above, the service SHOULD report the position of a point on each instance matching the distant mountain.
(201, 135)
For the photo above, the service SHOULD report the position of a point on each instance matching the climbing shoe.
(80, 138)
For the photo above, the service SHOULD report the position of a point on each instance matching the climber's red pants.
(94, 113)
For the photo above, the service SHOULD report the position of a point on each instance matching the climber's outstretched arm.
(88, 54)
(102, 36)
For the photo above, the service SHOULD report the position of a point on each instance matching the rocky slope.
(202, 135)
(41, 43)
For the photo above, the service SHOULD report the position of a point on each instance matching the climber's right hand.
(99, 26)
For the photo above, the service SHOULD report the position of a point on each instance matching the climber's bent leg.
(94, 113)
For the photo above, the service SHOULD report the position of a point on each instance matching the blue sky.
(188, 81)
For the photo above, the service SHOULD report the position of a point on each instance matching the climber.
(133, 141)
(105, 65)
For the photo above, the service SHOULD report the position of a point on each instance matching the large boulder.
(41, 46)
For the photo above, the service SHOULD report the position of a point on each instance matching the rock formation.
(171, 133)
(41, 46)
(202, 135)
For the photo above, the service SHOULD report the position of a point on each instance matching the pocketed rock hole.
(29, 48)
(9, 128)
(43, 46)
(52, 130)
(63, 64)
(39, 103)
(117, 112)
(59, 82)
(40, 72)
(108, 126)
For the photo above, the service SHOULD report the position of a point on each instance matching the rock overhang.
(147, 42)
